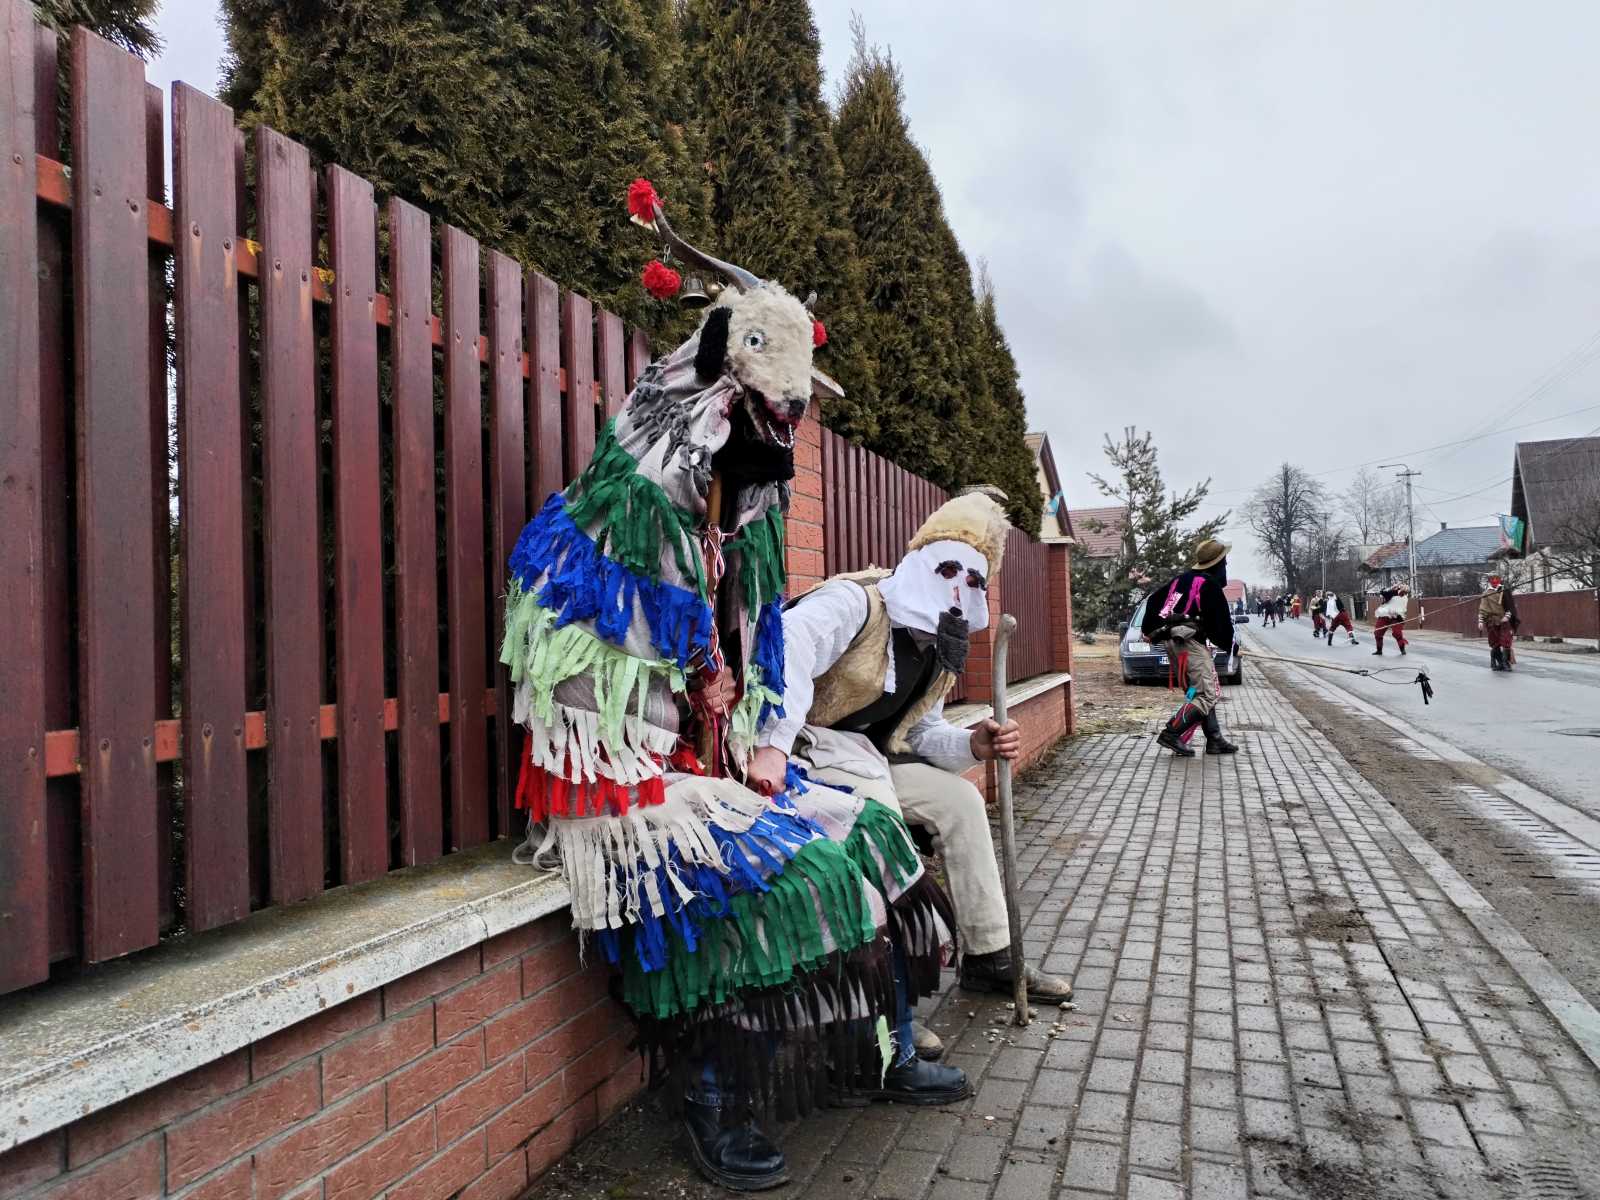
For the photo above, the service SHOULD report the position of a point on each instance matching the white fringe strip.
(573, 740)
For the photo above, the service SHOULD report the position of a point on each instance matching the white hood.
(916, 594)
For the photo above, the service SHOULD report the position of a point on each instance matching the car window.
(1135, 621)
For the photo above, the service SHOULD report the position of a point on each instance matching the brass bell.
(693, 294)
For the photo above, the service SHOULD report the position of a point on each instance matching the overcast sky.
(1327, 233)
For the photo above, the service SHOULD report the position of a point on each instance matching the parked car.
(1143, 663)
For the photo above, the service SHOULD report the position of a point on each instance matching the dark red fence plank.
(357, 529)
(507, 493)
(290, 534)
(830, 530)
(577, 355)
(111, 291)
(613, 367)
(24, 892)
(59, 459)
(211, 482)
(416, 590)
(638, 355)
(544, 388)
(1025, 593)
(463, 482)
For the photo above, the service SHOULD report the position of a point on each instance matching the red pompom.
(660, 280)
(819, 333)
(642, 199)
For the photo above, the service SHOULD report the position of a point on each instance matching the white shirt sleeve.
(941, 743)
(816, 632)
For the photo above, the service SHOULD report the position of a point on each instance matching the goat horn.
(741, 279)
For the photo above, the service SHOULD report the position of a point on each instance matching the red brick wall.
(804, 522)
(475, 1073)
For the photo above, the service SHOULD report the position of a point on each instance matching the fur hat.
(1209, 553)
(974, 517)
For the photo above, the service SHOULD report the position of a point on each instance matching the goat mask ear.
(713, 349)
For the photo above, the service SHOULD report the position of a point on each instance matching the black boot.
(918, 1082)
(741, 1159)
(1496, 661)
(1379, 651)
(1215, 742)
(992, 973)
(1402, 649)
(1171, 735)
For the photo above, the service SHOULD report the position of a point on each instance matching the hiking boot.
(741, 1159)
(1171, 735)
(992, 973)
(1216, 743)
(1379, 651)
(918, 1082)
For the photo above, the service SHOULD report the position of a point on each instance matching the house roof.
(1038, 445)
(1373, 561)
(1469, 546)
(1233, 590)
(1547, 477)
(1100, 530)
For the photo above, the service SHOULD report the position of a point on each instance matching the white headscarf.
(916, 594)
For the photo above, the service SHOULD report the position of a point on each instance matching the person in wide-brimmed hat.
(1186, 613)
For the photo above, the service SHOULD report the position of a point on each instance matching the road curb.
(1564, 1002)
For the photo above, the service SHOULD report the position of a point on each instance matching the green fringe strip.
(879, 828)
(630, 517)
(537, 653)
(765, 939)
(760, 548)
(745, 719)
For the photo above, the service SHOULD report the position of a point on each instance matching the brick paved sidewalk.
(1274, 999)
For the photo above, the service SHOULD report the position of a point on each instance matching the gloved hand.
(950, 641)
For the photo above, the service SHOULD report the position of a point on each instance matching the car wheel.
(1235, 679)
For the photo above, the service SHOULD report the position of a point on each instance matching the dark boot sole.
(922, 1099)
(1220, 753)
(1003, 988)
(734, 1183)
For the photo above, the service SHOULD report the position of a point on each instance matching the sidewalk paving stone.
(1274, 998)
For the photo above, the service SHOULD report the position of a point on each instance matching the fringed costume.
(747, 940)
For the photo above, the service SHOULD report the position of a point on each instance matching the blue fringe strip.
(584, 584)
(776, 837)
(768, 654)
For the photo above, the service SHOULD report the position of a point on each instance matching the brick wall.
(468, 1077)
(803, 553)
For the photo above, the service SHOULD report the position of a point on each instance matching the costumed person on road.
(1185, 614)
(1294, 608)
(1498, 621)
(1319, 609)
(748, 932)
(869, 659)
(1391, 614)
(1338, 616)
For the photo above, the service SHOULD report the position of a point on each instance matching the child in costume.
(750, 932)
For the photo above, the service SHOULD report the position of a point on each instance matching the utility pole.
(1408, 474)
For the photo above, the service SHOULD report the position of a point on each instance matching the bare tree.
(1572, 548)
(1285, 508)
(1376, 507)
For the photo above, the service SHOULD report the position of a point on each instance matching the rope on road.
(1419, 675)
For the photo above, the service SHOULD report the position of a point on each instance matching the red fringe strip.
(549, 795)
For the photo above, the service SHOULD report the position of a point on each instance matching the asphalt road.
(1539, 724)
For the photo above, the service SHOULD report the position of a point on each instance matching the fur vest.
(857, 679)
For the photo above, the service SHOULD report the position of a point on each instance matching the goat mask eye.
(755, 340)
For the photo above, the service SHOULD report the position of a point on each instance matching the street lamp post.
(1323, 545)
(1408, 474)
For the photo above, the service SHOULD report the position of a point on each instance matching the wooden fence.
(239, 677)
(1025, 593)
(1543, 614)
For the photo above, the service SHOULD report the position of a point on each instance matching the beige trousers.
(954, 811)
(1202, 670)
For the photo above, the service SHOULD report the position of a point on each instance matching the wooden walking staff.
(1008, 830)
(706, 742)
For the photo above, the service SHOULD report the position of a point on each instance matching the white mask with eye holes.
(934, 579)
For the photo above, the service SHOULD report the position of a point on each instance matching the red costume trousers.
(1398, 624)
(1341, 620)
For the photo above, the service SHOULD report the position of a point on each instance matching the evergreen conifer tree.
(521, 121)
(778, 193)
(1003, 437)
(125, 22)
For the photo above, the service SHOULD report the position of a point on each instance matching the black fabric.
(747, 458)
(712, 351)
(914, 668)
(1213, 620)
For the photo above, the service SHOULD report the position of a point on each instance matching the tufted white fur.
(780, 368)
